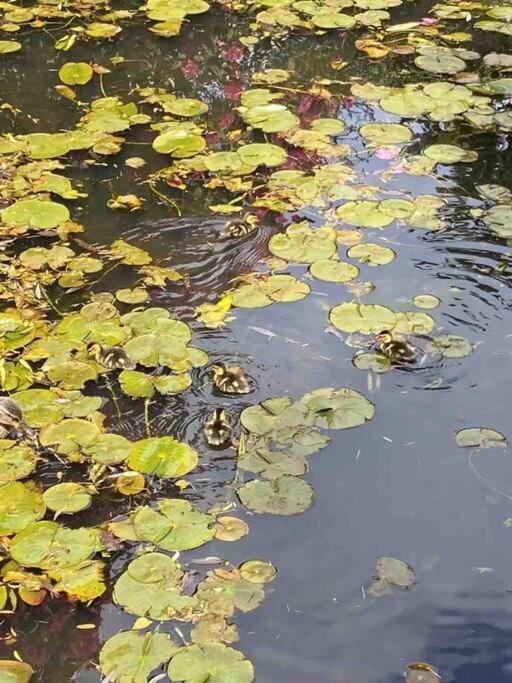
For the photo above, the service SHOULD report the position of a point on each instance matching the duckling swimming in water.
(230, 379)
(112, 358)
(11, 418)
(239, 227)
(217, 431)
(397, 350)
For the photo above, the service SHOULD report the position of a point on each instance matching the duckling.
(113, 358)
(230, 379)
(217, 431)
(239, 227)
(397, 350)
(11, 418)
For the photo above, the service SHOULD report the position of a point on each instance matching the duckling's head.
(219, 370)
(94, 349)
(385, 337)
(219, 415)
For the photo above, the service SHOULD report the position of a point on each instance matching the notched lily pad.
(480, 437)
(130, 656)
(212, 662)
(286, 495)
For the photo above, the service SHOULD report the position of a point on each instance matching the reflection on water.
(399, 487)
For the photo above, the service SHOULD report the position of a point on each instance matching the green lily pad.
(212, 662)
(50, 546)
(328, 126)
(452, 346)
(286, 495)
(257, 571)
(449, 154)
(19, 507)
(273, 414)
(180, 143)
(67, 498)
(303, 244)
(364, 213)
(365, 318)
(186, 106)
(270, 118)
(35, 213)
(129, 254)
(427, 301)
(130, 656)
(76, 73)
(16, 461)
(157, 320)
(84, 582)
(480, 437)
(6, 47)
(69, 436)
(499, 219)
(151, 587)
(136, 384)
(223, 591)
(272, 289)
(163, 456)
(12, 671)
(338, 408)
(386, 133)
(262, 154)
(376, 362)
(373, 254)
(440, 63)
(175, 526)
(409, 104)
(72, 374)
(137, 295)
(400, 209)
(108, 449)
(331, 270)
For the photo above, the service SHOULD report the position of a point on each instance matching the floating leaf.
(6, 47)
(275, 288)
(67, 498)
(421, 672)
(15, 672)
(19, 507)
(84, 582)
(365, 214)
(440, 62)
(303, 244)
(50, 546)
(212, 662)
(262, 154)
(427, 301)
(373, 254)
(480, 437)
(338, 408)
(75, 73)
(130, 657)
(386, 133)
(163, 456)
(176, 526)
(187, 107)
(286, 495)
(69, 436)
(449, 154)
(150, 587)
(376, 362)
(223, 591)
(257, 571)
(35, 213)
(16, 461)
(365, 318)
(230, 528)
(331, 270)
(130, 483)
(452, 346)
(396, 572)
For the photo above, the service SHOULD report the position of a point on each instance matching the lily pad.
(449, 154)
(16, 461)
(338, 408)
(303, 244)
(376, 362)
(175, 526)
(272, 289)
(19, 507)
(67, 498)
(427, 301)
(50, 546)
(396, 572)
(69, 436)
(186, 106)
(365, 318)
(286, 495)
(35, 213)
(229, 528)
(364, 213)
(130, 656)
(75, 73)
(212, 662)
(452, 346)
(163, 456)
(151, 587)
(386, 133)
(257, 571)
(262, 154)
(373, 254)
(331, 270)
(480, 437)
(12, 671)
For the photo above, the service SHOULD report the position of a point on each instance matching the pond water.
(396, 486)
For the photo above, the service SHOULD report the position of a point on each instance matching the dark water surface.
(400, 486)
